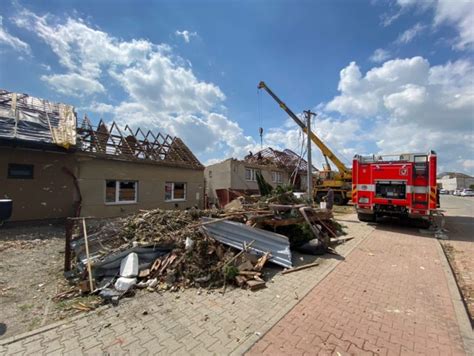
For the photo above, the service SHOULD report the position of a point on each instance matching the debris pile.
(160, 250)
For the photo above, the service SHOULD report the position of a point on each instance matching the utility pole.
(308, 115)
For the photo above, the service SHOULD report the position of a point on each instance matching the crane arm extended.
(324, 149)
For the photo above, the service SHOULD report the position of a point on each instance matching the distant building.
(453, 181)
(230, 178)
(52, 168)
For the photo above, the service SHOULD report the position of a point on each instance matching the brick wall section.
(389, 297)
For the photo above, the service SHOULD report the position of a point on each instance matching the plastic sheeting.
(32, 119)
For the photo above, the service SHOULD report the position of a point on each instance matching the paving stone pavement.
(185, 322)
(391, 296)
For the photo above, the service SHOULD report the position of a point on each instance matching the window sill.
(122, 203)
(175, 200)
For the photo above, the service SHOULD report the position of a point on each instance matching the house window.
(210, 174)
(175, 191)
(277, 177)
(304, 182)
(120, 191)
(251, 174)
(20, 171)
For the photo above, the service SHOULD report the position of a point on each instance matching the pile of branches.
(197, 259)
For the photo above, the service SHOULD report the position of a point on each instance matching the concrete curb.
(246, 346)
(43, 329)
(462, 317)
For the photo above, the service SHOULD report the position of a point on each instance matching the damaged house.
(228, 179)
(52, 167)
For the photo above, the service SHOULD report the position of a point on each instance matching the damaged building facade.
(52, 167)
(230, 178)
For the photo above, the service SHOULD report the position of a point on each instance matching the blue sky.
(384, 76)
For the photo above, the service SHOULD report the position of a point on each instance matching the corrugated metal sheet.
(236, 234)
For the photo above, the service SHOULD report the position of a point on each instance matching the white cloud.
(459, 13)
(101, 108)
(73, 84)
(163, 86)
(186, 35)
(162, 92)
(333, 132)
(7, 39)
(387, 19)
(380, 55)
(409, 105)
(468, 165)
(408, 35)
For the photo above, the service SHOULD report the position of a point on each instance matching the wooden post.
(89, 270)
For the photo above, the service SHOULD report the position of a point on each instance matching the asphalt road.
(459, 213)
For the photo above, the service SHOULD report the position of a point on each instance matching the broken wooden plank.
(144, 273)
(254, 285)
(261, 261)
(249, 273)
(282, 222)
(241, 280)
(300, 268)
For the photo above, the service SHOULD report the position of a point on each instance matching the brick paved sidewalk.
(390, 296)
(185, 322)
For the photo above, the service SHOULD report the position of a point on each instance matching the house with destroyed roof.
(231, 178)
(53, 167)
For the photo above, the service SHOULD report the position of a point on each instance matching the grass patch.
(86, 300)
(34, 323)
(25, 307)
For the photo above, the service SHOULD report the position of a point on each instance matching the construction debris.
(300, 268)
(167, 250)
(236, 234)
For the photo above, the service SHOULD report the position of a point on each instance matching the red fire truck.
(401, 185)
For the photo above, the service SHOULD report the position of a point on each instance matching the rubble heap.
(172, 249)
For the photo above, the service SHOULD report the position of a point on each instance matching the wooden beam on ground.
(300, 268)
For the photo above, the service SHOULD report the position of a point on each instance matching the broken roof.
(39, 123)
(286, 159)
(30, 119)
(112, 142)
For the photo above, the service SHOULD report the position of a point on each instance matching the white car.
(457, 192)
(443, 191)
(467, 193)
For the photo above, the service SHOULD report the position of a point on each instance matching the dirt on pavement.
(31, 274)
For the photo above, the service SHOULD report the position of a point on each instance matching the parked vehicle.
(401, 185)
(443, 191)
(457, 192)
(467, 193)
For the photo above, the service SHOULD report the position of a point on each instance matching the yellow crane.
(340, 182)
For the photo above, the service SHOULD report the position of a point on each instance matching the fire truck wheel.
(366, 217)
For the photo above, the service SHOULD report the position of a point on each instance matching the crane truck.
(340, 182)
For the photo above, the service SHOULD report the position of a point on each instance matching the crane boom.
(345, 172)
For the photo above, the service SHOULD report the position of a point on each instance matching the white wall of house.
(455, 182)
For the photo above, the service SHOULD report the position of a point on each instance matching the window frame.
(172, 192)
(276, 175)
(12, 166)
(253, 174)
(117, 192)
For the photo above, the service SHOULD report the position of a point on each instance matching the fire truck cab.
(402, 185)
